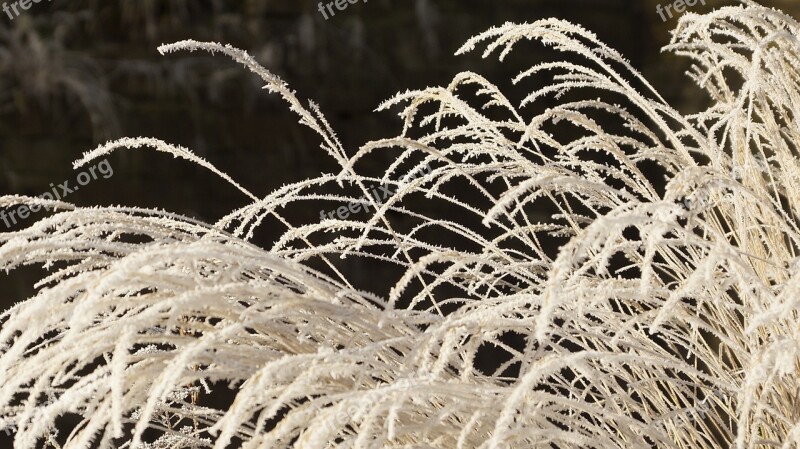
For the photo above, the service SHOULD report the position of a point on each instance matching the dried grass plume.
(637, 314)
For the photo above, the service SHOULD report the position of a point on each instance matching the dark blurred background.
(75, 74)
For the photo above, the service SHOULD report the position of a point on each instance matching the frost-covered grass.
(649, 316)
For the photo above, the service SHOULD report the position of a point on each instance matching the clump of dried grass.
(655, 305)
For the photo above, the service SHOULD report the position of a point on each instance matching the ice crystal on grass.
(624, 313)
